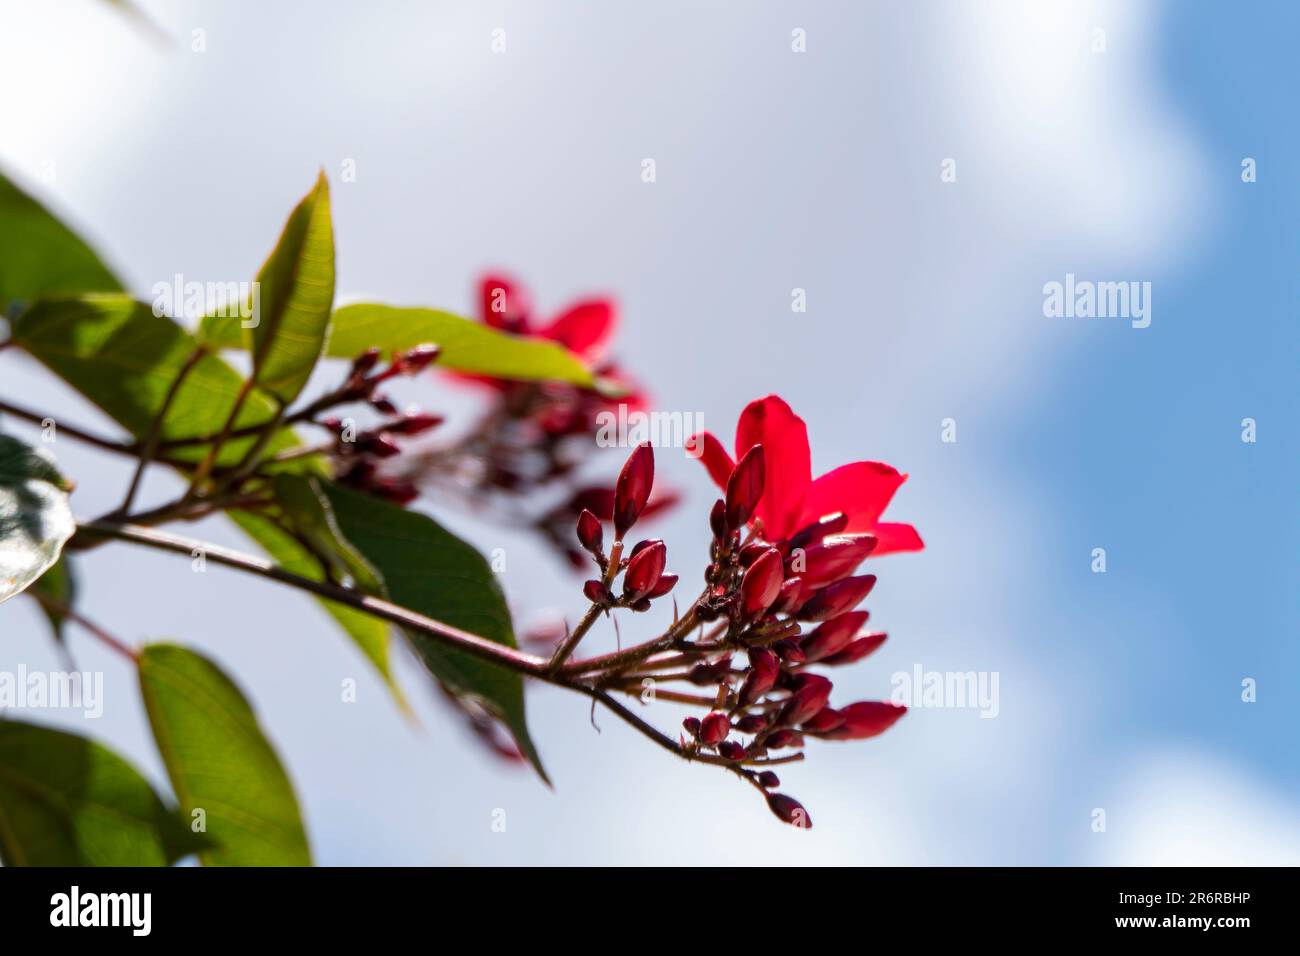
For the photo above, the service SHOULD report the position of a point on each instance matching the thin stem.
(210, 459)
(80, 434)
(570, 644)
(637, 653)
(150, 446)
(55, 606)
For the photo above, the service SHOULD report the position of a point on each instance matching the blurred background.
(1114, 155)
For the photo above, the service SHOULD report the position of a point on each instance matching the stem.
(210, 459)
(571, 642)
(90, 439)
(636, 653)
(55, 606)
(150, 447)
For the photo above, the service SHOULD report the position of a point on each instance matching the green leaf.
(431, 571)
(67, 801)
(124, 358)
(220, 762)
(368, 632)
(467, 346)
(60, 584)
(35, 517)
(296, 289)
(40, 256)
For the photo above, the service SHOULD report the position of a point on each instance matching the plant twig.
(61, 608)
(150, 446)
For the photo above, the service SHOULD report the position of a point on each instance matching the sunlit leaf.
(67, 801)
(41, 256)
(220, 762)
(35, 517)
(431, 571)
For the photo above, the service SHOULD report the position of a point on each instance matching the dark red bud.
(595, 591)
(805, 702)
(789, 651)
(832, 523)
(415, 360)
(834, 558)
(714, 728)
(718, 520)
(761, 584)
(644, 571)
(633, 488)
(666, 583)
(789, 810)
(767, 780)
(382, 405)
(366, 361)
(867, 719)
(641, 546)
(381, 446)
(752, 552)
(703, 674)
(791, 596)
(834, 599)
(692, 726)
(417, 423)
(590, 533)
(782, 739)
(833, 636)
(731, 750)
(745, 487)
(828, 718)
(762, 677)
(751, 723)
(856, 650)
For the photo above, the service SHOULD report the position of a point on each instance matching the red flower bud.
(416, 423)
(834, 599)
(832, 523)
(789, 810)
(752, 552)
(731, 750)
(832, 636)
(714, 728)
(806, 701)
(751, 723)
(364, 362)
(595, 591)
(381, 446)
(789, 651)
(644, 570)
(692, 726)
(666, 583)
(382, 405)
(718, 520)
(767, 780)
(745, 487)
(828, 718)
(590, 534)
(867, 719)
(633, 488)
(836, 556)
(791, 596)
(415, 360)
(761, 584)
(762, 676)
(783, 738)
(856, 650)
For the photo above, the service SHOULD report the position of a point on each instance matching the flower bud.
(752, 552)
(590, 533)
(806, 701)
(789, 651)
(856, 650)
(633, 488)
(595, 591)
(832, 559)
(751, 723)
(714, 728)
(415, 423)
(834, 599)
(781, 739)
(767, 780)
(363, 363)
(828, 718)
(731, 750)
(761, 584)
(666, 583)
(382, 405)
(831, 637)
(833, 523)
(381, 446)
(415, 360)
(762, 677)
(692, 726)
(790, 596)
(745, 487)
(867, 719)
(789, 810)
(644, 571)
(718, 520)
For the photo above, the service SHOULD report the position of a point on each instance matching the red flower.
(792, 499)
(586, 329)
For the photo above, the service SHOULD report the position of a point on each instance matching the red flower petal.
(585, 329)
(784, 437)
(895, 537)
(503, 304)
(860, 490)
(709, 450)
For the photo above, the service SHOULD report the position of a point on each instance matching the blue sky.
(1120, 691)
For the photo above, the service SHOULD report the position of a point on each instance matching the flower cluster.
(781, 598)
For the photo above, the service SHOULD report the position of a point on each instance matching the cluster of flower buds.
(643, 569)
(358, 454)
(785, 605)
